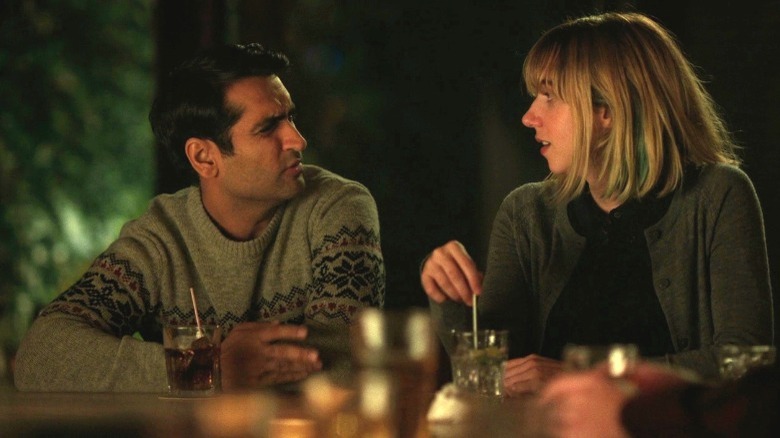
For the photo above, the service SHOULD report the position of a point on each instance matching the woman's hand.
(449, 273)
(528, 374)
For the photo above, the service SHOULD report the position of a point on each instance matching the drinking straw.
(199, 331)
(474, 319)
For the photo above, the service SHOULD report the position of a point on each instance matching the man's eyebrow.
(272, 120)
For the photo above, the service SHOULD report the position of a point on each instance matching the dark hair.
(190, 101)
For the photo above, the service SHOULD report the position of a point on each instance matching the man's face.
(267, 147)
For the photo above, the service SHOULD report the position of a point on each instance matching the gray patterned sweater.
(317, 263)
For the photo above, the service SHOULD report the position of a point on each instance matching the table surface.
(271, 414)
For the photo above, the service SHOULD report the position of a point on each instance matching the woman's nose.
(530, 119)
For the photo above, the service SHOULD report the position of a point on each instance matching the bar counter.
(255, 414)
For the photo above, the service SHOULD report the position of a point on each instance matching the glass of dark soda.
(192, 359)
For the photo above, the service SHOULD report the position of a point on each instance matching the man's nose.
(293, 139)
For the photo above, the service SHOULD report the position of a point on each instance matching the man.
(279, 254)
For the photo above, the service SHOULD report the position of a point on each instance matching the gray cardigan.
(709, 264)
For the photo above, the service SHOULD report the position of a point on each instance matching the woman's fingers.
(529, 374)
(450, 273)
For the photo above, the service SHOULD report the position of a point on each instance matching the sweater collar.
(211, 233)
(588, 219)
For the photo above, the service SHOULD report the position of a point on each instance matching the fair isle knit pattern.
(107, 295)
(317, 263)
(110, 296)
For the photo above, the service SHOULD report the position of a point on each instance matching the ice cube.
(201, 343)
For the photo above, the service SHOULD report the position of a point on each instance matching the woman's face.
(553, 122)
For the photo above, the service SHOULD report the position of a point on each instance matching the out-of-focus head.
(191, 102)
(662, 118)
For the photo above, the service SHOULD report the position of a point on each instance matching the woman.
(646, 230)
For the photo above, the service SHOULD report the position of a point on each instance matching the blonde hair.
(663, 119)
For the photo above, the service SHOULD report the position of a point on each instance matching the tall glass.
(396, 358)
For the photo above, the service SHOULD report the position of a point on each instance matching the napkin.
(448, 406)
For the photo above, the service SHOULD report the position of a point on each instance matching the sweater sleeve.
(736, 269)
(347, 266)
(739, 269)
(501, 304)
(506, 300)
(83, 340)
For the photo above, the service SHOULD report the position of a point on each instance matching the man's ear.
(203, 156)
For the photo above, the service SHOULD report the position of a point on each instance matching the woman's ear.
(203, 156)
(602, 117)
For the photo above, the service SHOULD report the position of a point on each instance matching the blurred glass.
(396, 358)
(239, 415)
(735, 361)
(620, 359)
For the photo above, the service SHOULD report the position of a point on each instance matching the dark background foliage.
(75, 149)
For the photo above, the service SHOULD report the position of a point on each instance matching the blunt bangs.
(542, 67)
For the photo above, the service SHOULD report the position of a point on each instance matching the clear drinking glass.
(478, 366)
(192, 359)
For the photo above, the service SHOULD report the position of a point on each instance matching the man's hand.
(256, 354)
(450, 273)
(528, 374)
